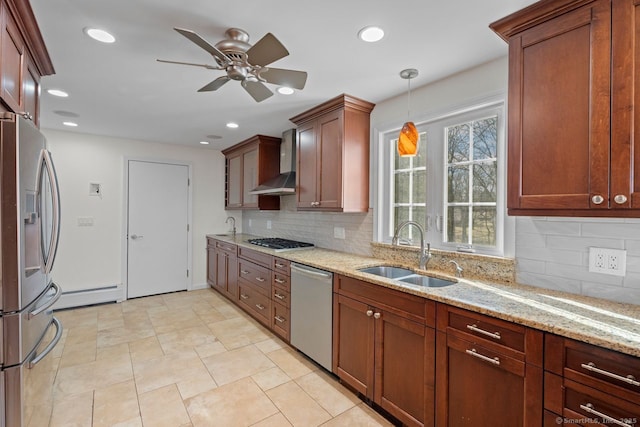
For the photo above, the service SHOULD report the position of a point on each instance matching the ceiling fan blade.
(281, 77)
(203, 44)
(214, 85)
(257, 90)
(207, 66)
(266, 50)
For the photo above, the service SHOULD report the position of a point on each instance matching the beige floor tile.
(361, 416)
(190, 387)
(270, 378)
(269, 345)
(104, 324)
(209, 314)
(145, 349)
(81, 334)
(118, 350)
(115, 404)
(174, 320)
(138, 304)
(325, 390)
(163, 407)
(156, 373)
(239, 332)
(241, 403)
(235, 364)
(277, 420)
(185, 339)
(210, 349)
(299, 408)
(77, 354)
(74, 411)
(291, 362)
(115, 336)
(134, 422)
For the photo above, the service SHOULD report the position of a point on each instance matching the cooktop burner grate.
(280, 244)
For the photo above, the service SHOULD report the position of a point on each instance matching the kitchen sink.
(426, 281)
(223, 234)
(386, 271)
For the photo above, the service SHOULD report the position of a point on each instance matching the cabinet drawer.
(280, 281)
(616, 373)
(407, 305)
(227, 247)
(259, 258)
(482, 328)
(256, 275)
(257, 304)
(281, 296)
(280, 320)
(281, 266)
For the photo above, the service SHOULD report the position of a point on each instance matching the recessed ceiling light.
(58, 92)
(204, 142)
(232, 125)
(71, 124)
(285, 90)
(371, 34)
(100, 35)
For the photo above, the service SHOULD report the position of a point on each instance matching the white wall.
(91, 257)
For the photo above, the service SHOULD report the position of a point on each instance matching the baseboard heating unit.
(114, 293)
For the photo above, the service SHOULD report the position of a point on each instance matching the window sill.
(478, 267)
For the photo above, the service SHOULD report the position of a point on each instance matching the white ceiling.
(120, 90)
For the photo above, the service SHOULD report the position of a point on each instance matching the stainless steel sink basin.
(426, 281)
(224, 234)
(386, 271)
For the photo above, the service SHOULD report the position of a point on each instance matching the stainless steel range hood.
(285, 183)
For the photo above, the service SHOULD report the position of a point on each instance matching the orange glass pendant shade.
(408, 140)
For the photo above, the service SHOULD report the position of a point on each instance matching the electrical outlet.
(608, 261)
(250, 223)
(268, 224)
(338, 232)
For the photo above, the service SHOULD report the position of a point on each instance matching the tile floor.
(189, 359)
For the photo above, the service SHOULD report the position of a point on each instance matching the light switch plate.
(608, 261)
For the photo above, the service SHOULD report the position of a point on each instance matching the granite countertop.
(600, 322)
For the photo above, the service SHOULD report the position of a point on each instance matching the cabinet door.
(31, 88)
(222, 268)
(404, 359)
(211, 266)
(625, 114)
(12, 62)
(306, 170)
(329, 154)
(353, 339)
(232, 277)
(249, 178)
(234, 182)
(559, 110)
(477, 386)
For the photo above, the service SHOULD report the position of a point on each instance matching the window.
(453, 187)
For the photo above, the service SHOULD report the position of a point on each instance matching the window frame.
(383, 194)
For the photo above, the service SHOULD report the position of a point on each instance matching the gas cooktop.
(280, 245)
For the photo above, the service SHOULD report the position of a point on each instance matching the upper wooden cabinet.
(573, 142)
(332, 171)
(23, 59)
(250, 163)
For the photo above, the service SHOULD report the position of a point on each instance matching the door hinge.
(187, 227)
(188, 182)
(187, 273)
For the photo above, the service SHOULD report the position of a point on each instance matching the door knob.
(597, 199)
(136, 237)
(620, 199)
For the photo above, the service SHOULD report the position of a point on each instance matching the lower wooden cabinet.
(384, 353)
(222, 270)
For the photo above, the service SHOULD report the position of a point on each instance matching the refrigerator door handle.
(50, 303)
(46, 166)
(50, 346)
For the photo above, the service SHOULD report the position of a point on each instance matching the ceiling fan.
(246, 63)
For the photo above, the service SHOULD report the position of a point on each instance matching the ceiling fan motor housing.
(236, 72)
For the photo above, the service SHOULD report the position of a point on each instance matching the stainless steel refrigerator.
(29, 228)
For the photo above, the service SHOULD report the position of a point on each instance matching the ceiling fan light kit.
(246, 63)
(408, 138)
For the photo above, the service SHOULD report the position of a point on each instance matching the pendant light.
(408, 139)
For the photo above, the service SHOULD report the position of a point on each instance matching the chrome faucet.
(425, 254)
(459, 269)
(233, 224)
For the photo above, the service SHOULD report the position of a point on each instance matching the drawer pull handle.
(629, 379)
(376, 315)
(620, 199)
(279, 296)
(494, 335)
(260, 306)
(244, 271)
(259, 279)
(243, 296)
(279, 265)
(278, 280)
(473, 352)
(279, 319)
(590, 409)
(369, 313)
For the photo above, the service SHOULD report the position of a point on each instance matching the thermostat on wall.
(95, 189)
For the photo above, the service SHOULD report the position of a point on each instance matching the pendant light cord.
(409, 99)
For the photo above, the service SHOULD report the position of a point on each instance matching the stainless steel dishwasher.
(312, 312)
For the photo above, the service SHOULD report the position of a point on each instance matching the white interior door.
(158, 237)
